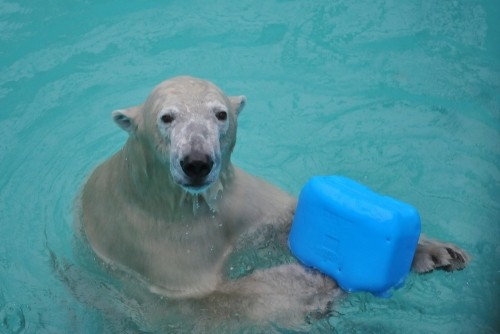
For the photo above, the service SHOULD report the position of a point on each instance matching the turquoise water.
(403, 96)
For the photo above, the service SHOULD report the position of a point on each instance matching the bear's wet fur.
(171, 208)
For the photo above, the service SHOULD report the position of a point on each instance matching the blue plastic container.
(365, 241)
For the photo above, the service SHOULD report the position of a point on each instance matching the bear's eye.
(221, 115)
(167, 118)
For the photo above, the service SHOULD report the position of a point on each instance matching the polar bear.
(171, 208)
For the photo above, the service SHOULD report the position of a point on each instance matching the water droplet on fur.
(196, 204)
(231, 268)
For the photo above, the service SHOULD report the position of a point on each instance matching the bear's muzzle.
(197, 165)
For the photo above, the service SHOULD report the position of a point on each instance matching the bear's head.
(190, 127)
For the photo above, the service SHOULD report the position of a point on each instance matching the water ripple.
(402, 96)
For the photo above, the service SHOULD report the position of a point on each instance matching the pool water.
(403, 96)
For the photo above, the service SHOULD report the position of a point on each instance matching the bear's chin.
(195, 189)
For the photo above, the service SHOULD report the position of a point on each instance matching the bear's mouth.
(195, 187)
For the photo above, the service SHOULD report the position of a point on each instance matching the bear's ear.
(238, 103)
(126, 118)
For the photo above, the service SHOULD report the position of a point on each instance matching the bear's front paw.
(432, 255)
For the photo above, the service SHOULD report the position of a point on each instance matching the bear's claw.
(431, 255)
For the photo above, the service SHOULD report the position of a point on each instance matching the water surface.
(403, 96)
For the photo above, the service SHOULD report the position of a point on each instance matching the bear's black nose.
(197, 165)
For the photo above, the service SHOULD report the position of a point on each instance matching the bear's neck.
(148, 181)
